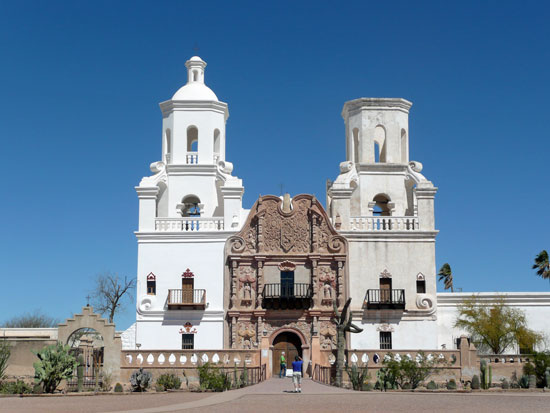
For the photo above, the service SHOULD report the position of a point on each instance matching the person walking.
(282, 372)
(297, 374)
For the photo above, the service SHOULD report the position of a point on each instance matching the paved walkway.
(270, 387)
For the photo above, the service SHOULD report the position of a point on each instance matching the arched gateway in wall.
(283, 272)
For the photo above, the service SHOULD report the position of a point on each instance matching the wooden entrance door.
(385, 290)
(187, 290)
(291, 344)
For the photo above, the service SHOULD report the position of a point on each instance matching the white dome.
(195, 91)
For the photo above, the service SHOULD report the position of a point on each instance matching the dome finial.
(195, 70)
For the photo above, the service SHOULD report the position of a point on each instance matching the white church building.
(213, 275)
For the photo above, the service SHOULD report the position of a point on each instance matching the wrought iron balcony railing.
(297, 290)
(385, 299)
(186, 298)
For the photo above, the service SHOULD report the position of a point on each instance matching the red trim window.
(151, 284)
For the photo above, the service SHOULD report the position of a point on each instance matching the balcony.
(186, 299)
(383, 223)
(385, 299)
(189, 224)
(287, 296)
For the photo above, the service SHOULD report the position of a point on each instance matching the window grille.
(187, 341)
(385, 340)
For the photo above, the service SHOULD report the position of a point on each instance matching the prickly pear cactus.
(140, 380)
(80, 373)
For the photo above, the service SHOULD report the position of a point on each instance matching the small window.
(385, 340)
(151, 287)
(421, 287)
(187, 341)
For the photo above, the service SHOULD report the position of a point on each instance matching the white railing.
(192, 158)
(384, 223)
(188, 224)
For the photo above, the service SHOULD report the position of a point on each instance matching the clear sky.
(80, 84)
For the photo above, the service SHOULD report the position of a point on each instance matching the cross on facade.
(88, 300)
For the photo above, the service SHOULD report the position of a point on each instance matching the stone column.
(340, 278)
(234, 266)
(260, 284)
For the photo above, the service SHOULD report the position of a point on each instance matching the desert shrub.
(368, 386)
(213, 378)
(537, 366)
(451, 384)
(118, 388)
(475, 382)
(55, 364)
(140, 380)
(159, 387)
(408, 371)
(524, 382)
(505, 384)
(106, 381)
(406, 386)
(431, 385)
(37, 389)
(169, 381)
(357, 376)
(15, 387)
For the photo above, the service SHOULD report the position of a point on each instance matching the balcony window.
(187, 341)
(385, 298)
(385, 340)
(151, 284)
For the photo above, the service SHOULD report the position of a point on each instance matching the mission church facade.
(213, 275)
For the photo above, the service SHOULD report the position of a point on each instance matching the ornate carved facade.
(284, 270)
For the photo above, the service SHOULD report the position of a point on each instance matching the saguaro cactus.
(343, 324)
(483, 369)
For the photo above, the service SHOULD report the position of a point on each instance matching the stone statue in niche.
(327, 291)
(247, 292)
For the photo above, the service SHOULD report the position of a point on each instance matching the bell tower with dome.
(187, 209)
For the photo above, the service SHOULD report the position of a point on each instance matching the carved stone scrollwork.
(424, 301)
(327, 335)
(247, 281)
(287, 266)
(336, 244)
(237, 244)
(385, 327)
(247, 335)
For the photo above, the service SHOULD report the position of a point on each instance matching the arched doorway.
(291, 344)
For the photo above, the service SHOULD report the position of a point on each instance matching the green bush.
(140, 380)
(451, 384)
(537, 366)
(15, 387)
(431, 385)
(407, 371)
(118, 388)
(37, 389)
(368, 386)
(169, 381)
(159, 388)
(55, 364)
(505, 384)
(213, 378)
(475, 382)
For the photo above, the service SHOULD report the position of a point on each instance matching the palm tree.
(541, 265)
(446, 275)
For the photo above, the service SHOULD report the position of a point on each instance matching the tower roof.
(195, 89)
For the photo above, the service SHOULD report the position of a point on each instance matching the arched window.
(168, 143)
(356, 157)
(216, 141)
(191, 206)
(192, 138)
(381, 207)
(379, 144)
(404, 149)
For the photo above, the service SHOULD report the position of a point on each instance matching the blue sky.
(80, 84)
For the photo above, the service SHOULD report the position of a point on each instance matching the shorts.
(297, 377)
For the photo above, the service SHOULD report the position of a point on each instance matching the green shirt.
(283, 361)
